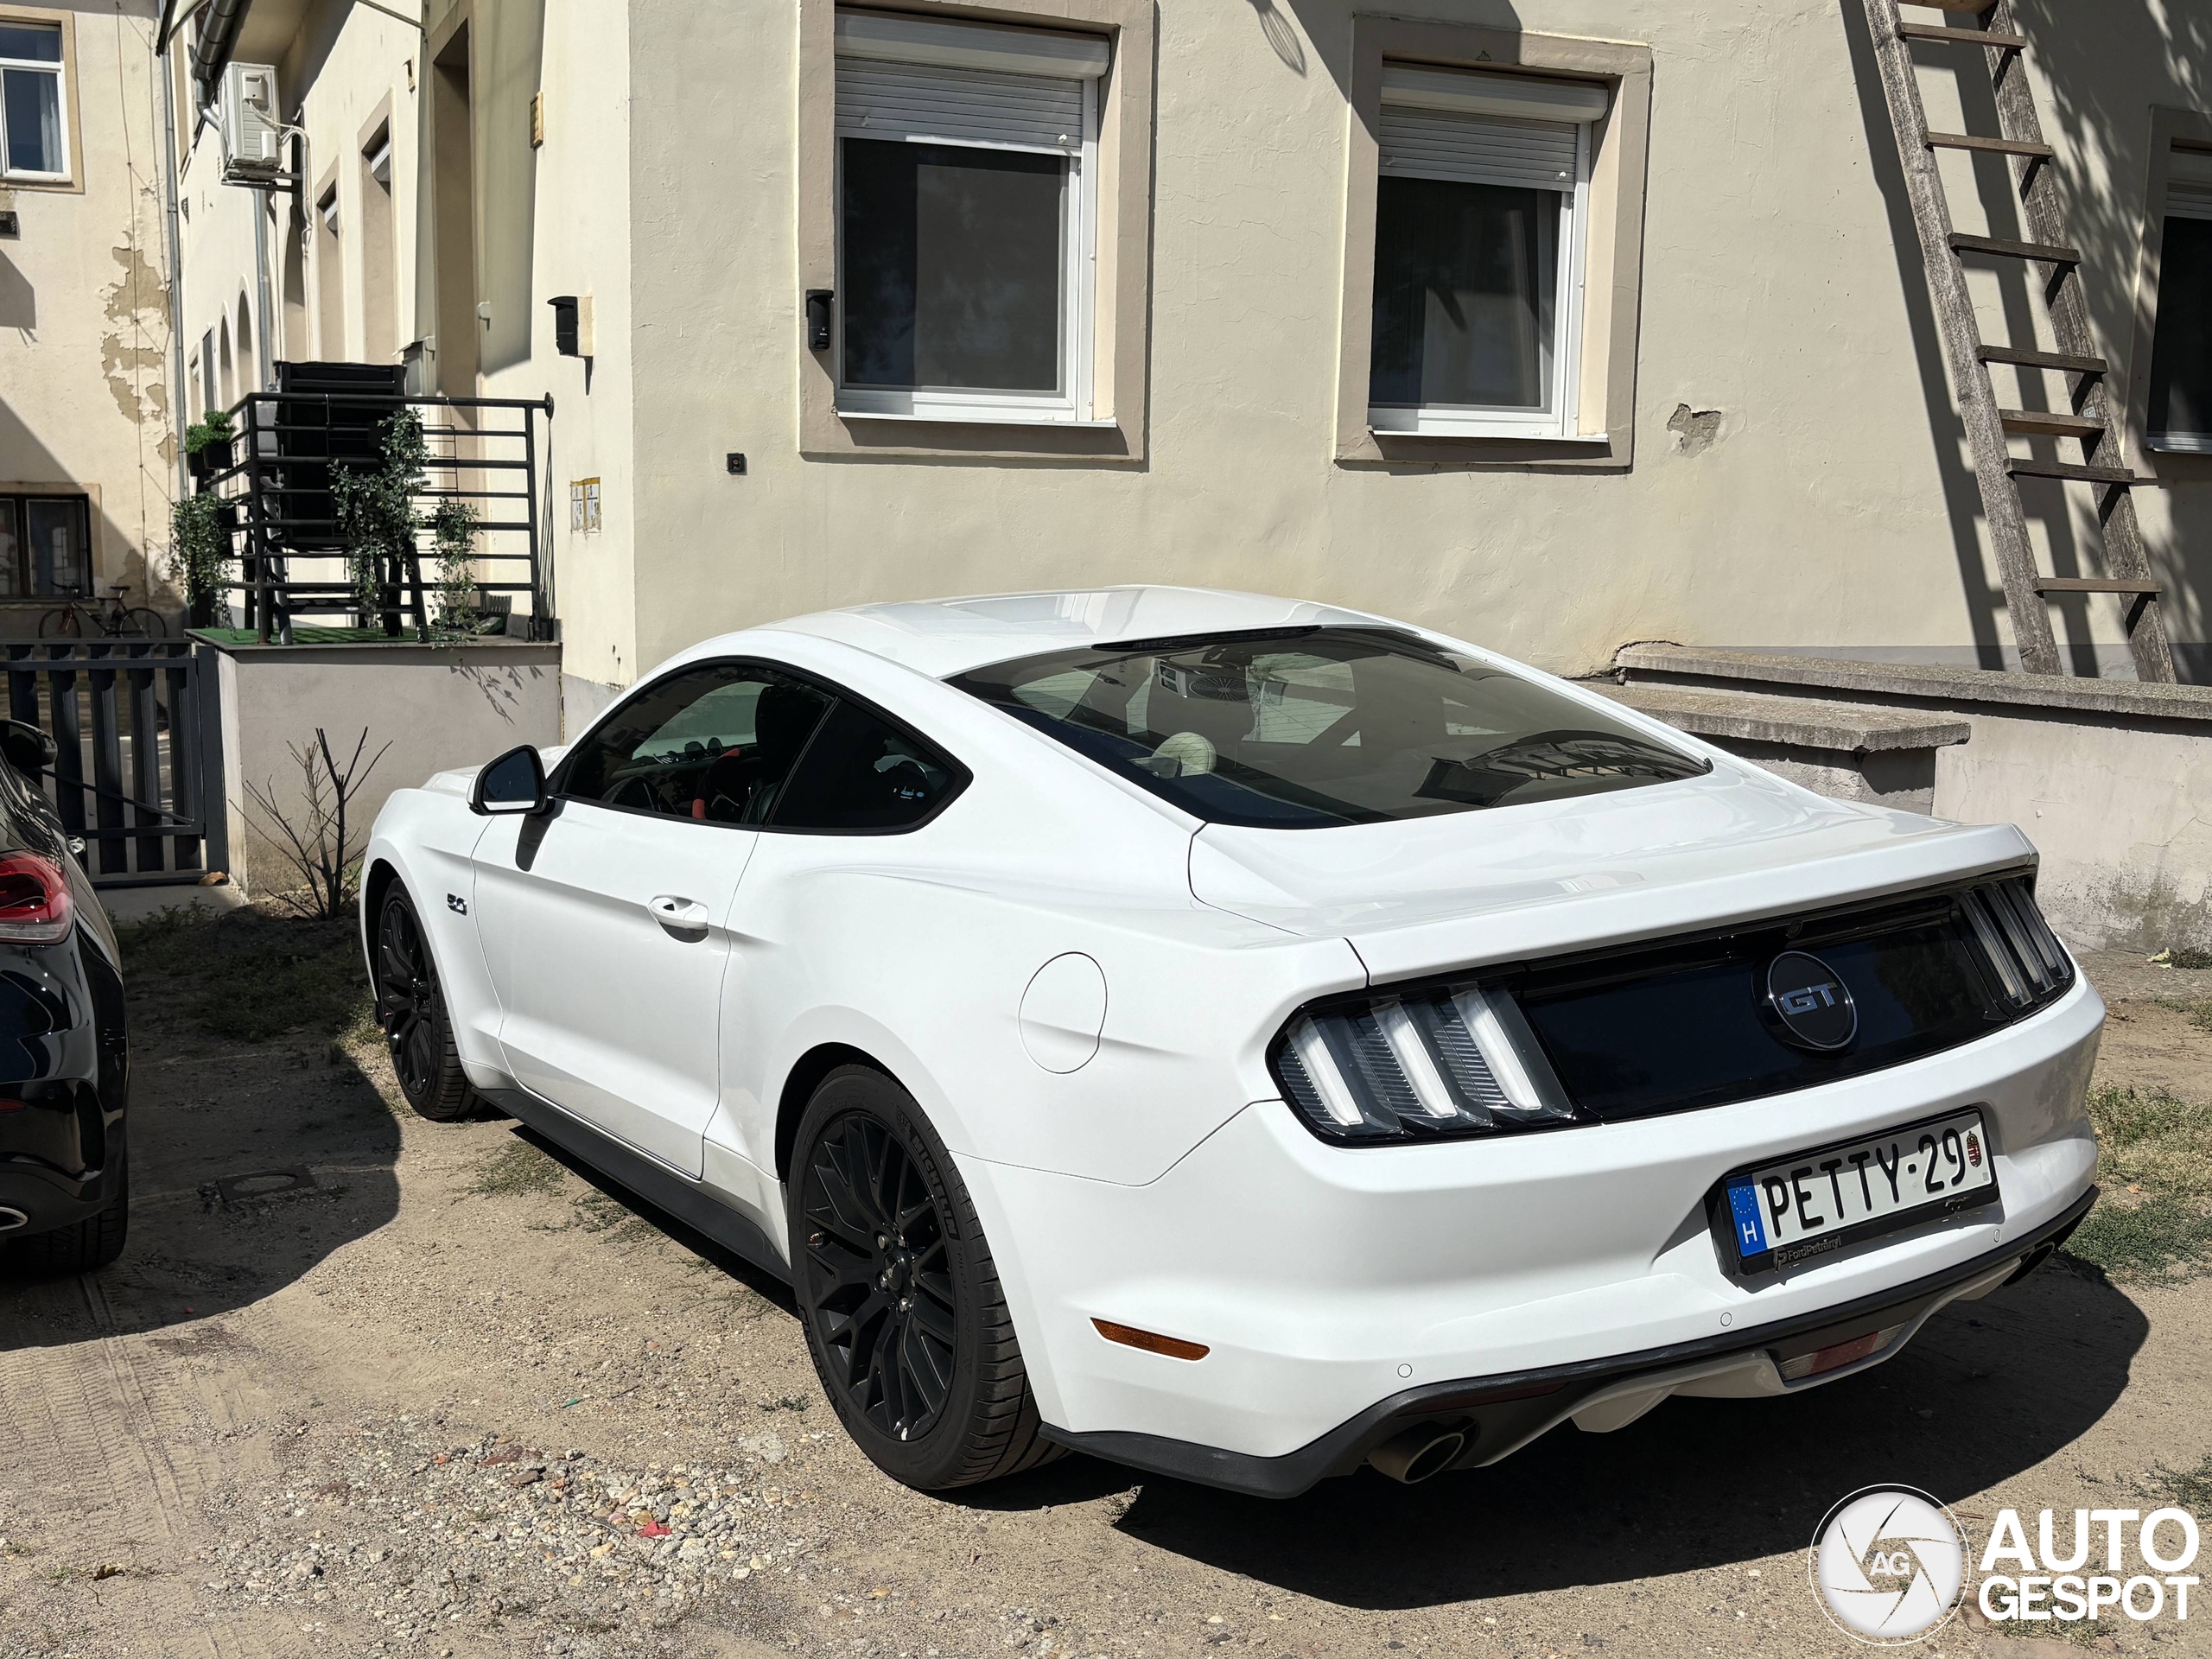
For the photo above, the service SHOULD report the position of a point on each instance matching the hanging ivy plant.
(376, 508)
(453, 536)
(199, 548)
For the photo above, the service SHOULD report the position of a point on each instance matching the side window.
(713, 743)
(862, 773)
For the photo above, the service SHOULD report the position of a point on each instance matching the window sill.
(1046, 423)
(2180, 443)
(1582, 440)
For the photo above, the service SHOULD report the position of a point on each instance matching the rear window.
(1302, 728)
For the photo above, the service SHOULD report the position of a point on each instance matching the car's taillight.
(35, 904)
(1416, 1063)
(2021, 949)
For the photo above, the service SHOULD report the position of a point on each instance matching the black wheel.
(412, 1012)
(905, 1317)
(137, 622)
(61, 624)
(82, 1247)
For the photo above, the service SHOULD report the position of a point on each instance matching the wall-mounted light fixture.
(820, 310)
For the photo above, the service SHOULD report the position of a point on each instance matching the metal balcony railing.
(274, 478)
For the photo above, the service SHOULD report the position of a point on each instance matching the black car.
(64, 1065)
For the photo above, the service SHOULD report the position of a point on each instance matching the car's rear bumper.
(1340, 1291)
(36, 1197)
(1497, 1415)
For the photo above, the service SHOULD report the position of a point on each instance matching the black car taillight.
(2021, 951)
(35, 904)
(1415, 1064)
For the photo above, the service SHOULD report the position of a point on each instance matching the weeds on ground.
(2184, 956)
(2153, 1222)
(517, 1167)
(247, 974)
(2190, 1488)
(2199, 1013)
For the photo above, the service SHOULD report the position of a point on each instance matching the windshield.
(1303, 728)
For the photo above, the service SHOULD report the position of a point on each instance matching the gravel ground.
(368, 1386)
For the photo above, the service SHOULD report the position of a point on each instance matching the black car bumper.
(1498, 1414)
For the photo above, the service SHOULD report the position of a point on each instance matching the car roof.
(943, 636)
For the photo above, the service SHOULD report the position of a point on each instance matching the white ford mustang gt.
(1242, 1037)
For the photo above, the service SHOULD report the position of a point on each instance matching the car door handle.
(676, 915)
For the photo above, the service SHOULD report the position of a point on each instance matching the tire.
(137, 622)
(62, 624)
(412, 1013)
(82, 1247)
(924, 1371)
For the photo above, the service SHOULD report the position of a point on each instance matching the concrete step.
(1728, 715)
(1921, 684)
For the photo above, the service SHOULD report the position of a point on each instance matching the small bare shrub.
(314, 836)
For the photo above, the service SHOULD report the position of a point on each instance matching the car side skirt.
(1502, 1414)
(689, 1203)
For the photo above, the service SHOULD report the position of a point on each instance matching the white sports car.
(1241, 1038)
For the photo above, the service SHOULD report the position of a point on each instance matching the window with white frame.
(966, 215)
(32, 127)
(2181, 347)
(1481, 214)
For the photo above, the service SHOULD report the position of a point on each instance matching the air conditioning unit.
(253, 136)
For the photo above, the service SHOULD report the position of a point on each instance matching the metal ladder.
(1995, 32)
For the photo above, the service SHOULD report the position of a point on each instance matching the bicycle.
(110, 618)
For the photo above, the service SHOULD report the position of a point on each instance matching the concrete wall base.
(436, 706)
(2111, 779)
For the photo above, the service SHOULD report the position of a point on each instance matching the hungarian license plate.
(1817, 1201)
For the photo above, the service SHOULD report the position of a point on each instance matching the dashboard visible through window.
(746, 744)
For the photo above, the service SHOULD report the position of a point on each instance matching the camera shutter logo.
(1811, 1000)
(1889, 1564)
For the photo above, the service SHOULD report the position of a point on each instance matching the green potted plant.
(198, 549)
(207, 445)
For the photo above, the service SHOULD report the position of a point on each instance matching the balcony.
(291, 561)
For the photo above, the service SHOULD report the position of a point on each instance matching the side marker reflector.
(1151, 1341)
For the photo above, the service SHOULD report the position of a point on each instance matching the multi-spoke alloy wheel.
(413, 1013)
(903, 1315)
(879, 1273)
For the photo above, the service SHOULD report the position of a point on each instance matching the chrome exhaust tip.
(11, 1219)
(1413, 1454)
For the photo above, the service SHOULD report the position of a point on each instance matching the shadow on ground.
(256, 1145)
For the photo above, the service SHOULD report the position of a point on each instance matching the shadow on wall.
(2102, 117)
(18, 300)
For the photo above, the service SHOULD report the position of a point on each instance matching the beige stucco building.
(1558, 325)
(88, 454)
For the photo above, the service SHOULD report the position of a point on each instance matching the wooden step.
(1965, 36)
(1974, 6)
(2095, 585)
(2049, 253)
(2033, 360)
(2044, 423)
(2025, 466)
(1996, 146)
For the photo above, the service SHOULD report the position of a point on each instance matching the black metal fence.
(275, 478)
(138, 771)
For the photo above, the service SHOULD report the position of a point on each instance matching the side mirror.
(25, 748)
(513, 783)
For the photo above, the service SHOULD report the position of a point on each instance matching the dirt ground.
(367, 1385)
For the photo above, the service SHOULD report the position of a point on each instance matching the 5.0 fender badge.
(456, 904)
(1811, 1000)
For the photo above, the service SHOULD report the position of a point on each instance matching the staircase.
(2085, 419)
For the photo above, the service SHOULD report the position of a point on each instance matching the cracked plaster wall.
(84, 362)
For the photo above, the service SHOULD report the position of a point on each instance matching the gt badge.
(1811, 1000)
